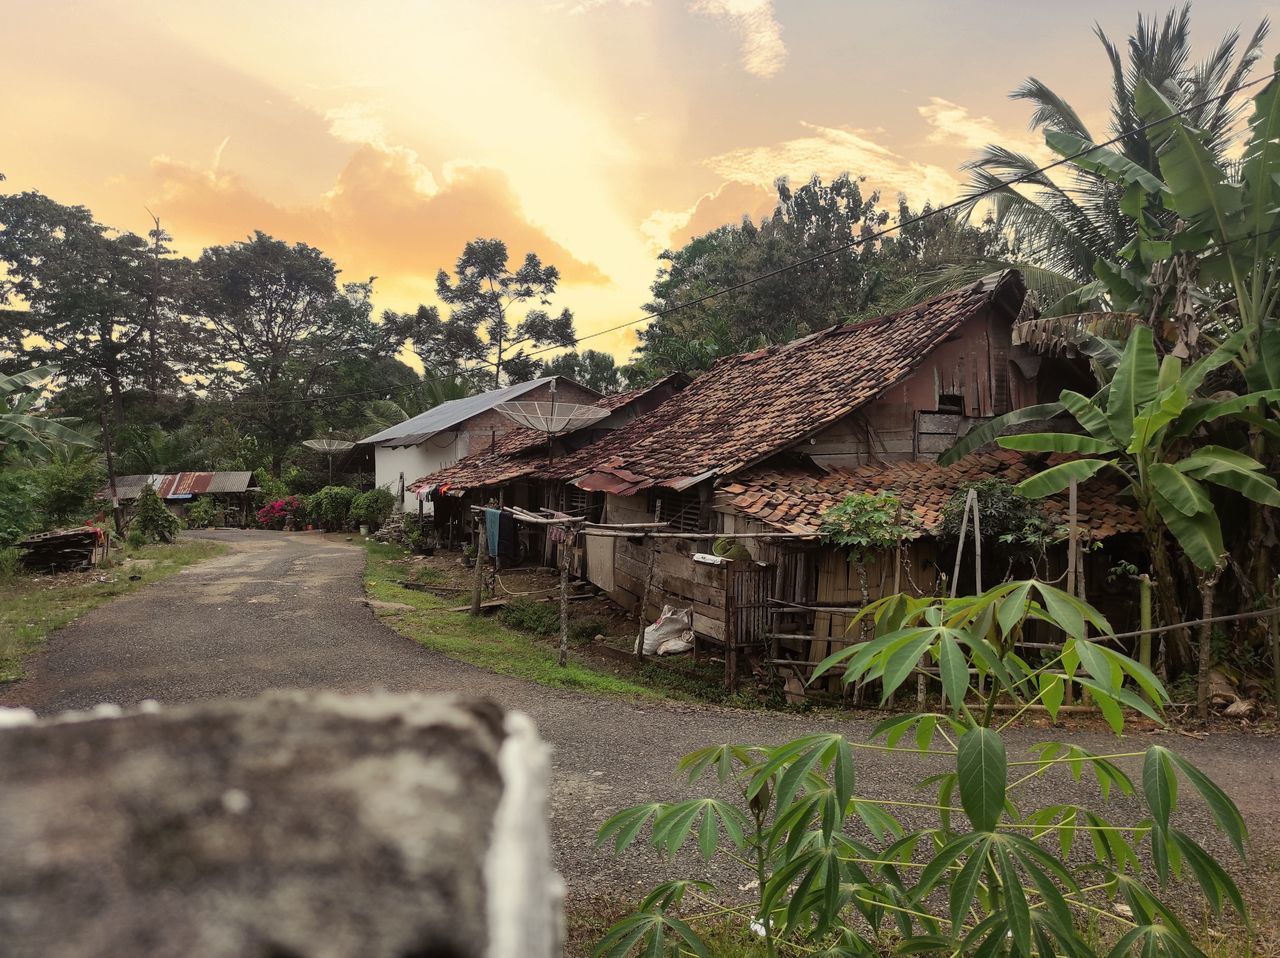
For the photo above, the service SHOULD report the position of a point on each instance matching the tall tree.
(95, 298)
(1064, 225)
(592, 368)
(283, 325)
(479, 331)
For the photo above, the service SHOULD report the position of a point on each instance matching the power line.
(844, 247)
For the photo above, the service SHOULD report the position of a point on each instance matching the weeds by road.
(32, 606)
(489, 644)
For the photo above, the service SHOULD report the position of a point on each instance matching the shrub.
(989, 871)
(331, 506)
(19, 513)
(274, 514)
(10, 564)
(135, 539)
(204, 512)
(866, 523)
(67, 486)
(151, 520)
(371, 508)
(585, 629)
(1006, 518)
(537, 618)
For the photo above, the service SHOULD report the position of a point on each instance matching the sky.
(593, 132)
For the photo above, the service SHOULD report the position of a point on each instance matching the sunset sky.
(595, 132)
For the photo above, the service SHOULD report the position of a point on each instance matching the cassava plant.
(992, 873)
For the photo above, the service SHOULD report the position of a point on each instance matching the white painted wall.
(442, 449)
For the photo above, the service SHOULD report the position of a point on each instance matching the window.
(951, 404)
(682, 510)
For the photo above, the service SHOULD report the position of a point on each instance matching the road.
(286, 611)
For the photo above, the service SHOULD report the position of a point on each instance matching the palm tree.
(1061, 227)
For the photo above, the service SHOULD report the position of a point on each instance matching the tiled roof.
(518, 452)
(793, 499)
(749, 406)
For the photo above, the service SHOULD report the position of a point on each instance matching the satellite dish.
(328, 447)
(553, 418)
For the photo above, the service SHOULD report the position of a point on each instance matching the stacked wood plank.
(62, 550)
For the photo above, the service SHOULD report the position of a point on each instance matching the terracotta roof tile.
(794, 499)
(749, 406)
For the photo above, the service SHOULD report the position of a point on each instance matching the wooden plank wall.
(677, 581)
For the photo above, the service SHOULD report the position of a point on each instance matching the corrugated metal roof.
(423, 426)
(181, 485)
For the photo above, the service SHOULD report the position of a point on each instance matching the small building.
(453, 430)
(178, 489)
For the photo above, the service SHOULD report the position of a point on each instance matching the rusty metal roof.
(181, 485)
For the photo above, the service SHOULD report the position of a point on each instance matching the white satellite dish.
(553, 418)
(329, 447)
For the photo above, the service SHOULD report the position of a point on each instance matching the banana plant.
(22, 429)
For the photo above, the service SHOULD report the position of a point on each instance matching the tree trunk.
(1208, 585)
(1176, 651)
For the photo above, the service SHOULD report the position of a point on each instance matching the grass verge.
(489, 644)
(33, 606)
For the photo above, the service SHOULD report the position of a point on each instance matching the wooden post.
(644, 599)
(569, 531)
(1275, 644)
(964, 530)
(482, 555)
(1144, 619)
(1073, 535)
(1208, 586)
(977, 545)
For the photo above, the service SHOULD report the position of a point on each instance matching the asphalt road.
(286, 611)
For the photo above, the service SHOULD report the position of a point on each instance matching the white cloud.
(763, 52)
(829, 151)
(356, 123)
(951, 124)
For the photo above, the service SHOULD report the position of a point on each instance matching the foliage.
(331, 507)
(1063, 229)
(585, 629)
(19, 511)
(23, 431)
(67, 486)
(151, 520)
(536, 618)
(814, 218)
(591, 368)
(204, 512)
(478, 333)
(284, 328)
(275, 513)
(100, 303)
(1007, 519)
(371, 508)
(10, 563)
(839, 873)
(867, 523)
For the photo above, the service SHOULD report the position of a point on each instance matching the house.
(764, 442)
(181, 488)
(446, 433)
(523, 468)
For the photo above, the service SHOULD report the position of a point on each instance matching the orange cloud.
(385, 215)
(728, 203)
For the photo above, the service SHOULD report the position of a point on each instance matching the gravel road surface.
(286, 611)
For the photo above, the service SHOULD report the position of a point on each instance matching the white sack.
(672, 633)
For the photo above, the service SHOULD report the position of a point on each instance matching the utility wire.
(860, 241)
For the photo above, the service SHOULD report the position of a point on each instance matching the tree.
(844, 282)
(479, 332)
(283, 326)
(592, 368)
(97, 301)
(1063, 229)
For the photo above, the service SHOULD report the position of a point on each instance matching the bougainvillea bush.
(274, 514)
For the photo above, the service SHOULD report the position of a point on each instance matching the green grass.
(488, 643)
(33, 606)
